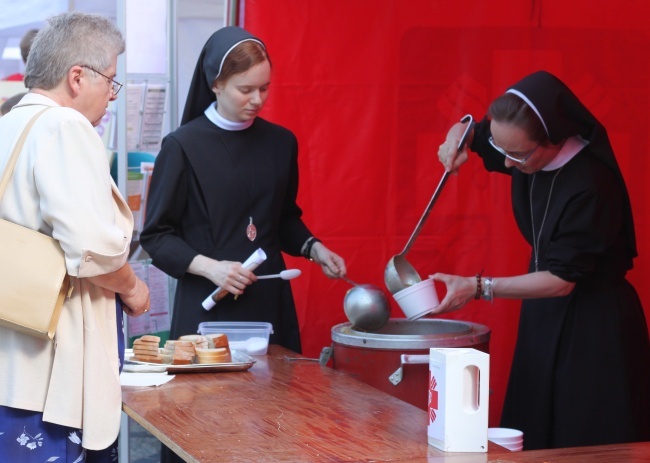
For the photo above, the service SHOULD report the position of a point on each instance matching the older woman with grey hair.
(61, 400)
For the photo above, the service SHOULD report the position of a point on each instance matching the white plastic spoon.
(284, 274)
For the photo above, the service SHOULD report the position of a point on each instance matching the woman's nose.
(256, 98)
(509, 163)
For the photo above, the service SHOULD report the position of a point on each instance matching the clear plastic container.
(251, 338)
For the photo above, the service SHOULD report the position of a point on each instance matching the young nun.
(225, 184)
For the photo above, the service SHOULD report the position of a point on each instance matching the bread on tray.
(186, 350)
(216, 355)
(147, 349)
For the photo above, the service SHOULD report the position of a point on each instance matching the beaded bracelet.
(478, 285)
(308, 245)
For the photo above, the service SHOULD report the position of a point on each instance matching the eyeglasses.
(521, 158)
(115, 85)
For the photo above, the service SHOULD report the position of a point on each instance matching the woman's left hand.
(332, 264)
(460, 290)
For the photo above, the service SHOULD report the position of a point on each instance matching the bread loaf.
(216, 355)
(218, 340)
(147, 358)
(147, 349)
(196, 339)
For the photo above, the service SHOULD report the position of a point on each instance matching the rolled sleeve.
(94, 263)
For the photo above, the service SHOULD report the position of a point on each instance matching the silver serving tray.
(240, 362)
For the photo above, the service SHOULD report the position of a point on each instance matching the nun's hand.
(332, 264)
(460, 290)
(229, 276)
(448, 153)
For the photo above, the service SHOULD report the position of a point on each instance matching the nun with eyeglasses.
(581, 368)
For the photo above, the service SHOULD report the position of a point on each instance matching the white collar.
(217, 119)
(571, 147)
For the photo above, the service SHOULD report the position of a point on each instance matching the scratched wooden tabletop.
(300, 411)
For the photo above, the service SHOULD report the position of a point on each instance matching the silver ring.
(240, 277)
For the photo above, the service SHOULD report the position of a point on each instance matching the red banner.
(371, 87)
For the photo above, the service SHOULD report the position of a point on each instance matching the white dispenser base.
(459, 381)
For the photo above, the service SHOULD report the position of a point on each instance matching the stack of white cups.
(512, 439)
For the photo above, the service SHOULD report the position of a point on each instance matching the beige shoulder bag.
(33, 277)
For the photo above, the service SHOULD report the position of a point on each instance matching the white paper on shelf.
(253, 261)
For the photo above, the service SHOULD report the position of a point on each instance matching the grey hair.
(71, 39)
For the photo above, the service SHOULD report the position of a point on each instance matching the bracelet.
(478, 285)
(488, 289)
(308, 245)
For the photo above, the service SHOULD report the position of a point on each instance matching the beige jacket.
(61, 186)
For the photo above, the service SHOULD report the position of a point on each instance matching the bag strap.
(14, 155)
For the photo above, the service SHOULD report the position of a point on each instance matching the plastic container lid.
(237, 326)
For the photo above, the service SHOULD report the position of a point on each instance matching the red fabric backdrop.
(370, 88)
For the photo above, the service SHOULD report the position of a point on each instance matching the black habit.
(207, 183)
(581, 368)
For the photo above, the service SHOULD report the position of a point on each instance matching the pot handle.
(407, 359)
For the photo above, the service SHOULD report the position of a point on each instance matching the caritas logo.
(433, 398)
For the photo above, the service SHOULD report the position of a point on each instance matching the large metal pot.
(392, 358)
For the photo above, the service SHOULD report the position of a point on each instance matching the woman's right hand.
(136, 301)
(132, 290)
(229, 276)
(448, 153)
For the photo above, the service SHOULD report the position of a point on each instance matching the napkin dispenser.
(459, 381)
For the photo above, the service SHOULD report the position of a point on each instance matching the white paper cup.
(417, 300)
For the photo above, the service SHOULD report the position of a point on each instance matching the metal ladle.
(399, 273)
(366, 306)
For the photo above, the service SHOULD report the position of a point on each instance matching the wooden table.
(299, 411)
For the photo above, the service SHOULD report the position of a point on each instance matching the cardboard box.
(459, 381)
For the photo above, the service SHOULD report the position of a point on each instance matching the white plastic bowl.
(417, 300)
(513, 447)
(505, 435)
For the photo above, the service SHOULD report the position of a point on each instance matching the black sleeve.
(492, 159)
(293, 231)
(166, 203)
